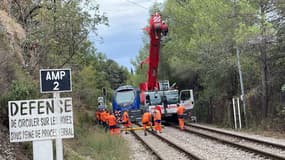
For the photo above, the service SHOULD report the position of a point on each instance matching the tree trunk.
(264, 64)
(210, 111)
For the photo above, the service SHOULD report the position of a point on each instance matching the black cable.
(137, 4)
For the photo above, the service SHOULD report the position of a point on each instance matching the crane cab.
(167, 100)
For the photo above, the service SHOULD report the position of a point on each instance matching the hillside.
(29, 46)
(11, 35)
(11, 61)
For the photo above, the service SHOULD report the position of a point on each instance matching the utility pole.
(243, 98)
(104, 92)
(9, 7)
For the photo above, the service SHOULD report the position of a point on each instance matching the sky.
(123, 38)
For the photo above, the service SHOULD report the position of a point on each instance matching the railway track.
(162, 148)
(148, 147)
(161, 145)
(260, 147)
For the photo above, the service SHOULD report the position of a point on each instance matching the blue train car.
(127, 98)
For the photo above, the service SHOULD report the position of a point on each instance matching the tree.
(115, 74)
(200, 52)
(58, 33)
(262, 34)
(141, 66)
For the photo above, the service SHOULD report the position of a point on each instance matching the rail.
(148, 147)
(234, 144)
(180, 149)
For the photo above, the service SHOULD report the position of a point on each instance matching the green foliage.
(244, 33)
(99, 145)
(60, 31)
(57, 37)
(85, 85)
(84, 119)
(21, 90)
(115, 74)
(200, 53)
(140, 68)
(18, 90)
(95, 72)
(93, 142)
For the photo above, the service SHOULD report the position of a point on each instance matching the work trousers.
(112, 129)
(127, 124)
(157, 125)
(145, 125)
(181, 123)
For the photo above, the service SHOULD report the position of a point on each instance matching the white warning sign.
(31, 120)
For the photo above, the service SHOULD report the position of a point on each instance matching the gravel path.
(208, 149)
(163, 149)
(137, 150)
(263, 138)
(266, 148)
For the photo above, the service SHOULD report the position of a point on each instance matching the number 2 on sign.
(56, 85)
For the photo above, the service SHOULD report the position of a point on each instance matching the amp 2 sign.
(31, 120)
(55, 80)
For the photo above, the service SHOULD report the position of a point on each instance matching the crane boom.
(156, 94)
(156, 29)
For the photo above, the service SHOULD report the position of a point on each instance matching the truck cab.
(167, 98)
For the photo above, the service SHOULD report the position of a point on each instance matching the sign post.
(58, 140)
(56, 81)
(234, 110)
(42, 150)
(36, 120)
(42, 120)
(242, 88)
(239, 117)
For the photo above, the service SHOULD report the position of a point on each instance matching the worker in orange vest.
(106, 120)
(97, 115)
(126, 121)
(111, 120)
(103, 117)
(146, 121)
(158, 108)
(157, 120)
(180, 112)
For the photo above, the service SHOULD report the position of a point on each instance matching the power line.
(137, 4)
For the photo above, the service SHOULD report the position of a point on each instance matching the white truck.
(167, 98)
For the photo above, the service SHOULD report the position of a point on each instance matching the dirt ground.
(12, 151)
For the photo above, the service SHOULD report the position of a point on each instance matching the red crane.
(157, 28)
(160, 95)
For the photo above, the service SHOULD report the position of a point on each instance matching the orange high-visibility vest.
(125, 117)
(156, 115)
(146, 117)
(107, 114)
(111, 120)
(180, 110)
(97, 113)
(103, 116)
(100, 115)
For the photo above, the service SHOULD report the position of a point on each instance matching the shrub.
(18, 90)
